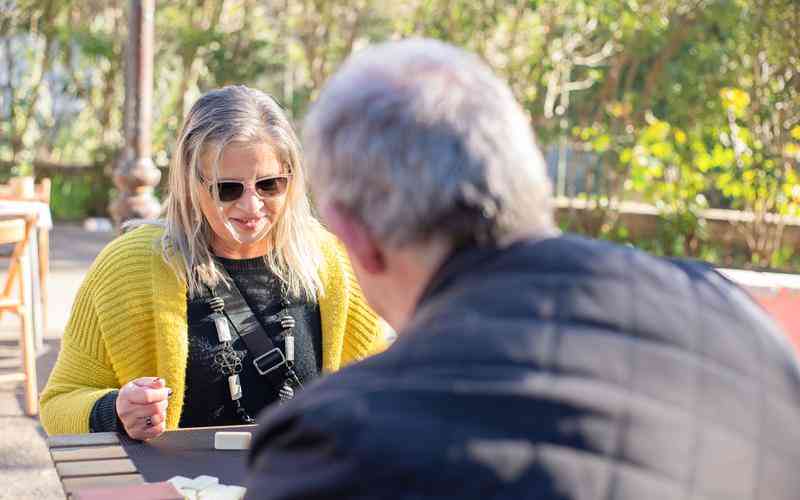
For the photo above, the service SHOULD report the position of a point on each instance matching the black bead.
(216, 304)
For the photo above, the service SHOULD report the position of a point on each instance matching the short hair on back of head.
(420, 140)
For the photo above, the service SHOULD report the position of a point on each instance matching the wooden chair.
(16, 191)
(41, 193)
(17, 231)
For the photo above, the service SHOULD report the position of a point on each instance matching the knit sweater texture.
(129, 321)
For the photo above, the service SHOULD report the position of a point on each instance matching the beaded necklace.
(228, 361)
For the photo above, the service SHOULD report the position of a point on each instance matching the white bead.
(289, 347)
(223, 331)
(235, 387)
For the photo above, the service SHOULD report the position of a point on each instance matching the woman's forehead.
(243, 160)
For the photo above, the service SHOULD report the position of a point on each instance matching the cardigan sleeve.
(365, 334)
(108, 338)
(365, 331)
(83, 372)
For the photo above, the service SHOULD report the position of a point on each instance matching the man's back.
(558, 369)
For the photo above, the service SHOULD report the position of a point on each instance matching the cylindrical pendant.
(235, 387)
(289, 339)
(223, 331)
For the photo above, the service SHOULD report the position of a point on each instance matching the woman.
(233, 302)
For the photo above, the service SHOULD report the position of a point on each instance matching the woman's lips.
(249, 224)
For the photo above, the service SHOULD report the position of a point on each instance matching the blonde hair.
(218, 118)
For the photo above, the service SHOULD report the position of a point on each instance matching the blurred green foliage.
(682, 104)
(76, 197)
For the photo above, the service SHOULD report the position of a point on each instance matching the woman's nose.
(250, 200)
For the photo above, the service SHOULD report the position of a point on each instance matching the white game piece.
(219, 492)
(237, 491)
(181, 482)
(188, 493)
(202, 483)
(224, 440)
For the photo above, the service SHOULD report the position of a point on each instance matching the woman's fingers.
(143, 394)
(146, 395)
(142, 407)
(155, 419)
(129, 413)
(132, 411)
(153, 382)
(145, 421)
(147, 427)
(151, 431)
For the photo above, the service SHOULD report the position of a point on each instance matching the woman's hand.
(142, 407)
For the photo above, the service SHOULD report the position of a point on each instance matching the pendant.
(223, 330)
(235, 387)
(289, 347)
(288, 323)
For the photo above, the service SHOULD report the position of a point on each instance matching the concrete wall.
(724, 226)
(778, 293)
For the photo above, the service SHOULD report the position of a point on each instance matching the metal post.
(136, 175)
(561, 176)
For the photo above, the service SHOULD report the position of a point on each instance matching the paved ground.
(26, 471)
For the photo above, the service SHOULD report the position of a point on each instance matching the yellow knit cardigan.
(129, 321)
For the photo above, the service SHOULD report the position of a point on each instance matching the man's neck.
(412, 269)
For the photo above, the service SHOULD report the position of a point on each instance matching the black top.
(561, 369)
(207, 400)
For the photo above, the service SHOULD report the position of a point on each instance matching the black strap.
(266, 356)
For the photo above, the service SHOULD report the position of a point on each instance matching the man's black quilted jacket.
(559, 369)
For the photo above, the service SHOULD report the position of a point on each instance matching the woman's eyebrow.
(239, 179)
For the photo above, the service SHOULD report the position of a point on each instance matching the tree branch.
(677, 37)
(44, 66)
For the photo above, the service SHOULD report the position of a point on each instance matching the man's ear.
(356, 237)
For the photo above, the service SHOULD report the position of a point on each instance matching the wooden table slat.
(74, 453)
(95, 467)
(77, 483)
(85, 461)
(93, 439)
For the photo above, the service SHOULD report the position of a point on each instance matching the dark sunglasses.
(266, 187)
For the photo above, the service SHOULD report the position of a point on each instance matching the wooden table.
(104, 459)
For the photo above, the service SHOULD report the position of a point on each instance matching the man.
(528, 364)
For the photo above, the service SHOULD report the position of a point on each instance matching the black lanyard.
(231, 308)
(267, 357)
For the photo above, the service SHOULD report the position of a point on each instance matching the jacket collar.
(468, 260)
(459, 261)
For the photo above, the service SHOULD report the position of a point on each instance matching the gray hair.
(218, 118)
(420, 140)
